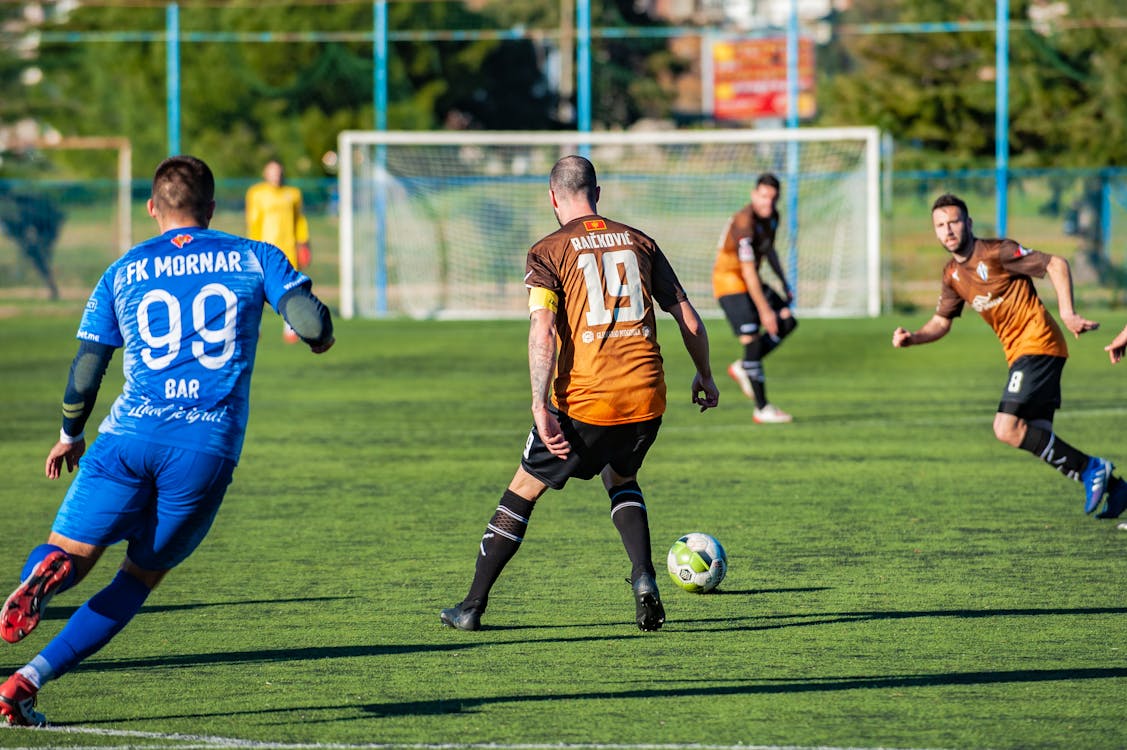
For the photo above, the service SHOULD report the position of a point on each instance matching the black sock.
(628, 511)
(499, 543)
(753, 366)
(786, 325)
(1055, 452)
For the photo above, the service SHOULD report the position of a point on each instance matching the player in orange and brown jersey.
(994, 277)
(760, 317)
(598, 389)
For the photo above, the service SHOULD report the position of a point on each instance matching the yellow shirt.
(274, 215)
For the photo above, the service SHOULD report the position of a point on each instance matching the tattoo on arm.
(541, 363)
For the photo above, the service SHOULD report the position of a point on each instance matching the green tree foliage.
(935, 92)
(285, 96)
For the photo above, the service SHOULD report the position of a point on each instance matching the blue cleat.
(1095, 478)
(1116, 502)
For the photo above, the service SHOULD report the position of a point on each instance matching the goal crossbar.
(403, 219)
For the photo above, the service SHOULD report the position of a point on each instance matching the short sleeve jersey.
(185, 307)
(606, 277)
(746, 238)
(996, 282)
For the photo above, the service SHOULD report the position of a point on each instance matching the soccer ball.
(697, 562)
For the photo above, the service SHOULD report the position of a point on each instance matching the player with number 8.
(993, 276)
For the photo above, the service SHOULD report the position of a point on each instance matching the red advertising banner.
(749, 78)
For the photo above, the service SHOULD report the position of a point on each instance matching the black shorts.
(741, 312)
(1032, 389)
(622, 447)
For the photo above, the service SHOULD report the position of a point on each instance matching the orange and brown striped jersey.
(746, 238)
(606, 277)
(995, 281)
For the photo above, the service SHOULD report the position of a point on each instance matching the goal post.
(437, 224)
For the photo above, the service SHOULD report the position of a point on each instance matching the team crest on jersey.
(181, 239)
(595, 225)
(1021, 252)
(982, 271)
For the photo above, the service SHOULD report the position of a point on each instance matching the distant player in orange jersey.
(598, 388)
(760, 317)
(993, 276)
(274, 215)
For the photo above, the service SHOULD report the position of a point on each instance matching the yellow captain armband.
(542, 299)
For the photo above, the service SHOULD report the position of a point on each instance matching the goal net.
(438, 224)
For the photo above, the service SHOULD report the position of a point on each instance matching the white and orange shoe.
(25, 606)
(739, 374)
(17, 702)
(771, 414)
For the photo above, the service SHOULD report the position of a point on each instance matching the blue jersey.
(186, 308)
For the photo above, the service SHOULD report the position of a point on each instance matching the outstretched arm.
(933, 330)
(309, 318)
(693, 334)
(1061, 276)
(1118, 346)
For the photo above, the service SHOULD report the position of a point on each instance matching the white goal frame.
(581, 142)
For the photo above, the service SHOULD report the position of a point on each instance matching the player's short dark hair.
(184, 185)
(574, 175)
(769, 180)
(950, 199)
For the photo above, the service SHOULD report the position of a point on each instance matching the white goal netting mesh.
(437, 225)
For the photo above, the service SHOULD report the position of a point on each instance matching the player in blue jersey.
(185, 307)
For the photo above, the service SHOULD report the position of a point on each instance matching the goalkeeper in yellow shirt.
(274, 215)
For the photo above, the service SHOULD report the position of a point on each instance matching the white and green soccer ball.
(697, 562)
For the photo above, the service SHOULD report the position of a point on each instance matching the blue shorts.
(160, 499)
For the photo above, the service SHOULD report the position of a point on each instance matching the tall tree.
(935, 92)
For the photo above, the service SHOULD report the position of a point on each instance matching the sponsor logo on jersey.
(87, 336)
(955, 274)
(595, 225)
(984, 302)
(589, 337)
(982, 271)
(1021, 252)
(91, 304)
(181, 239)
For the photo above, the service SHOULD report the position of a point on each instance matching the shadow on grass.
(737, 687)
(465, 641)
(64, 613)
(758, 687)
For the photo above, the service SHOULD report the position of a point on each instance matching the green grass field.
(898, 577)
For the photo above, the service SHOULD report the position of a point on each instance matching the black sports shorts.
(1032, 389)
(741, 313)
(623, 447)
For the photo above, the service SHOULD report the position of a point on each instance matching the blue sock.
(36, 556)
(95, 623)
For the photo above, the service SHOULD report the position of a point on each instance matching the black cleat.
(1116, 502)
(462, 617)
(648, 610)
